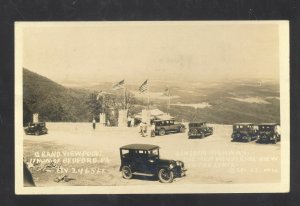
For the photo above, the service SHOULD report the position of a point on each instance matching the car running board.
(144, 174)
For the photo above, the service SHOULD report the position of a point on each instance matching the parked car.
(143, 159)
(36, 128)
(163, 127)
(269, 132)
(199, 129)
(244, 132)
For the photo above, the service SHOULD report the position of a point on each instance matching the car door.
(172, 126)
(141, 162)
(167, 125)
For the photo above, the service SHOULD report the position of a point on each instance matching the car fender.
(128, 165)
(163, 167)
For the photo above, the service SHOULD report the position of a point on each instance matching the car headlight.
(171, 166)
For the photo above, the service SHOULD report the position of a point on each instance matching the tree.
(95, 106)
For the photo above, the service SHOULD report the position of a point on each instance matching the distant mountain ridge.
(229, 102)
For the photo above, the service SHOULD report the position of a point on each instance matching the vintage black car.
(143, 159)
(163, 127)
(244, 132)
(268, 132)
(36, 128)
(199, 129)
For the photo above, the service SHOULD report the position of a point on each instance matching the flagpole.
(148, 93)
(124, 98)
(169, 101)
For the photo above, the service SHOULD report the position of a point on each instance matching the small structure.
(150, 115)
(122, 118)
(102, 119)
(35, 118)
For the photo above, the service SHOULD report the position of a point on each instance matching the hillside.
(52, 101)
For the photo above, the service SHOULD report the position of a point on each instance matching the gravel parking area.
(91, 157)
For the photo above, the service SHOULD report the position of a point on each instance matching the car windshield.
(241, 127)
(266, 128)
(196, 124)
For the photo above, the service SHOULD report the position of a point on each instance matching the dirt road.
(214, 159)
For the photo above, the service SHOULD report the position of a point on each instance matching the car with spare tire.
(245, 132)
(268, 132)
(199, 129)
(36, 128)
(144, 160)
(163, 127)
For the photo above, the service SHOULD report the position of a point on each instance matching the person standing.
(152, 129)
(128, 121)
(132, 122)
(94, 124)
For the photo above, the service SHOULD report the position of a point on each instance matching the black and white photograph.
(147, 107)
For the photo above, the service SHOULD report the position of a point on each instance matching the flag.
(144, 87)
(119, 85)
(166, 92)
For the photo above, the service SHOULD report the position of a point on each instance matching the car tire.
(37, 133)
(249, 139)
(275, 140)
(162, 132)
(202, 135)
(126, 172)
(165, 175)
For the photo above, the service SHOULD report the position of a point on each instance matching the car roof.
(140, 146)
(268, 124)
(243, 124)
(161, 120)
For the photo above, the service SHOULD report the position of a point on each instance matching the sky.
(135, 51)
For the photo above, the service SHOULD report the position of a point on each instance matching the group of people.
(144, 127)
(130, 123)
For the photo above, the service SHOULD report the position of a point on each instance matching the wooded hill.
(56, 103)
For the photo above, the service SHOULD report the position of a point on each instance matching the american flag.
(119, 85)
(144, 87)
(166, 92)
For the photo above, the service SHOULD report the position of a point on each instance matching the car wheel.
(126, 172)
(165, 176)
(162, 132)
(249, 139)
(202, 135)
(275, 140)
(37, 133)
